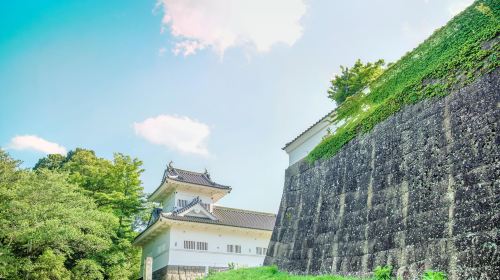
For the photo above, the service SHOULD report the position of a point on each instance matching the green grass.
(454, 56)
(269, 272)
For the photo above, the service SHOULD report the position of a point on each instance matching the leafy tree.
(141, 219)
(73, 216)
(115, 187)
(53, 161)
(87, 269)
(47, 225)
(352, 80)
(49, 266)
(126, 193)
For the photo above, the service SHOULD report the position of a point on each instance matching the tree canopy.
(71, 217)
(352, 80)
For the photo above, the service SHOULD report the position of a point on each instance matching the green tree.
(87, 269)
(53, 161)
(49, 266)
(352, 80)
(47, 225)
(116, 188)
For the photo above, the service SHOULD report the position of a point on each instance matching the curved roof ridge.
(188, 171)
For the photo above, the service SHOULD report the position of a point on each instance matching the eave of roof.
(212, 222)
(211, 184)
(166, 178)
(309, 128)
(218, 222)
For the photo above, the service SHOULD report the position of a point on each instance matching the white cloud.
(35, 143)
(175, 132)
(221, 24)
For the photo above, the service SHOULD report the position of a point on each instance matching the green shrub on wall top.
(454, 56)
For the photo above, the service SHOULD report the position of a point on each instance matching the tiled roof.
(233, 217)
(303, 132)
(191, 177)
(189, 205)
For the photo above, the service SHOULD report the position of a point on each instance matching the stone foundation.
(181, 272)
(421, 191)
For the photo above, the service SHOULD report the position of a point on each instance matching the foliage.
(87, 269)
(452, 57)
(72, 217)
(269, 272)
(52, 161)
(383, 273)
(49, 266)
(434, 275)
(354, 79)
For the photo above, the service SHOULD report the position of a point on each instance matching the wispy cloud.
(221, 24)
(35, 143)
(178, 133)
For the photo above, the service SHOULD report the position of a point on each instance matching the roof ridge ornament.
(207, 174)
(171, 172)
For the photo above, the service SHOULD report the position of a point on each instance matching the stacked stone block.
(421, 191)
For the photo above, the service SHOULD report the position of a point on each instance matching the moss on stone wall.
(466, 48)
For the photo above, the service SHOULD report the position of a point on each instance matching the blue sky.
(103, 75)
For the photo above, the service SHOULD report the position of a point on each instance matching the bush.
(434, 275)
(383, 272)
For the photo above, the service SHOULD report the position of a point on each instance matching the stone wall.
(421, 191)
(182, 272)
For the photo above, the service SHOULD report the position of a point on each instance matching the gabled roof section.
(232, 217)
(191, 177)
(245, 218)
(331, 113)
(194, 205)
(225, 216)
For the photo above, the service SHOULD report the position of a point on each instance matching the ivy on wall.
(454, 56)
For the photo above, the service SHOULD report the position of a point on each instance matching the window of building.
(182, 202)
(234, 249)
(260, 250)
(202, 246)
(190, 245)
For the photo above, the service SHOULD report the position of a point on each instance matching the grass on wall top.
(464, 49)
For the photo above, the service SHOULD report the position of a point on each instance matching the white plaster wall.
(217, 240)
(309, 141)
(158, 248)
(301, 147)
